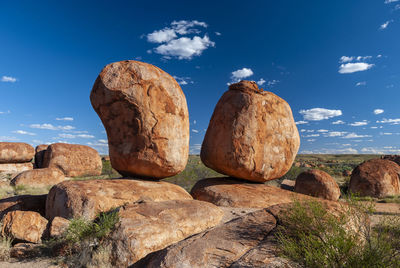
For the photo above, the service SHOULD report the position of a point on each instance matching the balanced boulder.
(72, 199)
(16, 152)
(24, 225)
(317, 183)
(376, 178)
(39, 155)
(145, 114)
(73, 160)
(41, 177)
(150, 226)
(251, 135)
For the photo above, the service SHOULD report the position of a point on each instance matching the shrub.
(314, 237)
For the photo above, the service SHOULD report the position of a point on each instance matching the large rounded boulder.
(317, 183)
(16, 152)
(145, 114)
(376, 178)
(251, 135)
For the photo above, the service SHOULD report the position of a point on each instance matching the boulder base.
(42, 177)
(71, 199)
(16, 152)
(24, 225)
(145, 114)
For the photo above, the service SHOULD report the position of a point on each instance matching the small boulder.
(41, 177)
(288, 184)
(346, 173)
(15, 168)
(39, 155)
(150, 226)
(58, 226)
(145, 114)
(251, 135)
(35, 203)
(228, 192)
(73, 160)
(317, 183)
(16, 152)
(72, 199)
(376, 178)
(24, 225)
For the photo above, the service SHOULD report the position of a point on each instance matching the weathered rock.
(146, 118)
(39, 155)
(24, 225)
(16, 152)
(25, 250)
(346, 173)
(393, 157)
(150, 226)
(251, 135)
(218, 247)
(15, 168)
(73, 160)
(71, 199)
(58, 226)
(288, 184)
(35, 203)
(105, 158)
(228, 192)
(376, 178)
(41, 177)
(317, 183)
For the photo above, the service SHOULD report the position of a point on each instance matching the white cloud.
(311, 135)
(344, 59)
(23, 132)
(378, 111)
(8, 138)
(354, 136)
(103, 141)
(272, 83)
(85, 136)
(241, 73)
(51, 127)
(261, 82)
(322, 130)
(363, 83)
(195, 131)
(359, 124)
(390, 121)
(317, 114)
(385, 25)
(73, 136)
(218, 33)
(186, 27)
(8, 112)
(335, 134)
(161, 36)
(183, 80)
(66, 136)
(65, 119)
(311, 140)
(195, 148)
(338, 122)
(301, 122)
(391, 1)
(8, 79)
(354, 67)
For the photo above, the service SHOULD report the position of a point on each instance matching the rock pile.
(15, 157)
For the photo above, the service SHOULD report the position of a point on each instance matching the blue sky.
(337, 64)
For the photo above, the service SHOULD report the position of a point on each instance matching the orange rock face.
(145, 114)
(251, 135)
(73, 160)
(39, 155)
(58, 226)
(228, 192)
(15, 168)
(71, 199)
(24, 225)
(317, 183)
(376, 178)
(16, 152)
(41, 177)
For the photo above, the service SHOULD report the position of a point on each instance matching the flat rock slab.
(150, 226)
(35, 203)
(41, 177)
(73, 160)
(16, 152)
(228, 192)
(71, 199)
(221, 246)
(15, 168)
(24, 225)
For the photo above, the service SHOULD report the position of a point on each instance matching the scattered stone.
(251, 135)
(39, 155)
(16, 152)
(35, 203)
(228, 192)
(376, 178)
(24, 225)
(41, 177)
(297, 164)
(288, 185)
(15, 168)
(105, 158)
(317, 183)
(58, 226)
(346, 173)
(73, 160)
(72, 199)
(146, 118)
(24, 250)
(150, 226)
